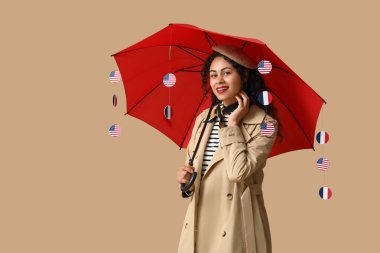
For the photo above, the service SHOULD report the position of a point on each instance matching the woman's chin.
(223, 97)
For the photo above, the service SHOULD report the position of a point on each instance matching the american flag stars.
(114, 130)
(114, 76)
(169, 80)
(264, 67)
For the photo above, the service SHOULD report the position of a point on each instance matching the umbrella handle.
(186, 186)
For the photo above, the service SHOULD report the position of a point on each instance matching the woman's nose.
(220, 79)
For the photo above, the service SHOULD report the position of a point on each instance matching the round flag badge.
(264, 67)
(325, 192)
(114, 130)
(169, 80)
(114, 100)
(323, 164)
(114, 76)
(267, 129)
(265, 98)
(322, 137)
(168, 112)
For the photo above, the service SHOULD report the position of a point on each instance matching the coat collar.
(255, 115)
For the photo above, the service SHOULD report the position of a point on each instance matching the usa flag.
(267, 129)
(264, 67)
(114, 76)
(325, 192)
(169, 80)
(114, 130)
(322, 137)
(265, 98)
(323, 164)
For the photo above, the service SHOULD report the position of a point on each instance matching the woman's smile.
(221, 89)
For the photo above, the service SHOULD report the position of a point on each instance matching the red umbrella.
(181, 49)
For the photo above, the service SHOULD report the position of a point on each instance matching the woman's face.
(225, 81)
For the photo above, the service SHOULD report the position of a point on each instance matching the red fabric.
(144, 64)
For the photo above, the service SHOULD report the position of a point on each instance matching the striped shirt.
(212, 143)
(211, 146)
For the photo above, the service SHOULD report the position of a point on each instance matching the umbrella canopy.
(182, 49)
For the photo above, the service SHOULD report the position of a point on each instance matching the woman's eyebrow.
(221, 69)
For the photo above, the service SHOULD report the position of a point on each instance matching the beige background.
(66, 186)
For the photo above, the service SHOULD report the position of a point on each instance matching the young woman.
(226, 213)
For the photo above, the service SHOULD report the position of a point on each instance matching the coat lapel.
(202, 147)
(255, 116)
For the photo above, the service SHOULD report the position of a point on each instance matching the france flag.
(265, 98)
(322, 137)
(325, 193)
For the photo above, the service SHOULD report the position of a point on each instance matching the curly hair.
(254, 85)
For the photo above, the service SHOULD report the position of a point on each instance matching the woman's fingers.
(184, 174)
(189, 168)
(245, 98)
(239, 100)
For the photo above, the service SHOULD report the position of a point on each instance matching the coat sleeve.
(190, 149)
(243, 159)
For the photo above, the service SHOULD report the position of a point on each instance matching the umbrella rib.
(180, 47)
(192, 49)
(186, 69)
(299, 125)
(134, 49)
(195, 114)
(209, 37)
(244, 44)
(162, 45)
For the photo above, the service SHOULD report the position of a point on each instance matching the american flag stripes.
(114, 130)
(114, 76)
(267, 129)
(264, 67)
(169, 80)
(323, 164)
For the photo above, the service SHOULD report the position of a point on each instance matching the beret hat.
(236, 54)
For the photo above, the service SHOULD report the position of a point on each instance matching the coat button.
(229, 196)
(186, 225)
(224, 233)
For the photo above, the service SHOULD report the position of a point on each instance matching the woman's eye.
(213, 76)
(226, 73)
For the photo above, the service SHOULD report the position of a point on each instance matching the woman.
(226, 213)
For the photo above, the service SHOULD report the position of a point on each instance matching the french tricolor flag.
(322, 137)
(265, 98)
(325, 192)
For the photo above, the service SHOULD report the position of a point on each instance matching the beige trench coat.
(226, 213)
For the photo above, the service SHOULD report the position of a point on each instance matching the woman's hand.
(184, 174)
(239, 113)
